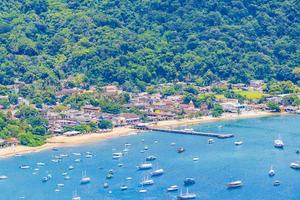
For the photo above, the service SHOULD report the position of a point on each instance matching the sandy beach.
(62, 141)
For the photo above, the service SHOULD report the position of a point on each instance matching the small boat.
(55, 160)
(234, 184)
(46, 178)
(142, 190)
(36, 169)
(123, 187)
(155, 142)
(105, 185)
(85, 179)
(60, 185)
(77, 154)
(120, 165)
(67, 177)
(54, 149)
(172, 188)
(195, 159)
(187, 195)
(272, 172)
(71, 167)
(145, 166)
(157, 172)
(142, 151)
(150, 158)
(129, 178)
(297, 151)
(3, 177)
(75, 196)
(210, 141)
(24, 167)
(173, 143)
(109, 176)
(64, 155)
(57, 190)
(180, 150)
(278, 143)
(40, 164)
(111, 171)
(146, 147)
(276, 183)
(64, 174)
(147, 182)
(237, 143)
(188, 129)
(77, 160)
(189, 181)
(127, 144)
(295, 165)
(89, 156)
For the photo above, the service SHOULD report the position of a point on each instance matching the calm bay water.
(218, 164)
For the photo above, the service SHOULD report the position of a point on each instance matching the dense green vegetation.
(29, 128)
(135, 43)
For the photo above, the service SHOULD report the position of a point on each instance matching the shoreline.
(64, 141)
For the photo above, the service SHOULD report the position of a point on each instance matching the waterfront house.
(111, 89)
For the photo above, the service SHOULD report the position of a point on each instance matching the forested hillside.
(150, 41)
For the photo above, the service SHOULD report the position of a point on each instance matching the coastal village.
(146, 107)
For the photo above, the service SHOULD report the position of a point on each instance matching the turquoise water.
(218, 164)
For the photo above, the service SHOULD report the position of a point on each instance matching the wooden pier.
(188, 132)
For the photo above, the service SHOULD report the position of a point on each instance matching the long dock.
(188, 132)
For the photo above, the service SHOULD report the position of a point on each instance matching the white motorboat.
(150, 158)
(129, 178)
(146, 147)
(71, 167)
(77, 160)
(272, 172)
(77, 154)
(157, 172)
(117, 155)
(143, 190)
(187, 195)
(24, 167)
(3, 177)
(173, 143)
(188, 129)
(210, 141)
(60, 185)
(40, 164)
(195, 159)
(295, 165)
(172, 188)
(145, 166)
(234, 184)
(237, 143)
(105, 185)
(278, 143)
(123, 187)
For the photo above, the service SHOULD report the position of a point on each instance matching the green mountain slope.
(149, 41)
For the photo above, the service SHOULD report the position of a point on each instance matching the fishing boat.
(210, 141)
(24, 167)
(295, 165)
(85, 179)
(189, 181)
(234, 184)
(2, 177)
(180, 150)
(147, 182)
(172, 188)
(187, 195)
(123, 187)
(145, 166)
(157, 172)
(150, 158)
(237, 143)
(278, 143)
(271, 172)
